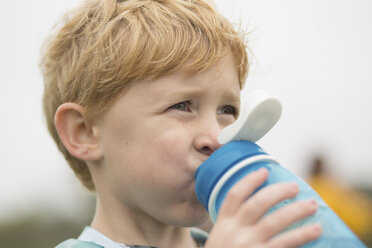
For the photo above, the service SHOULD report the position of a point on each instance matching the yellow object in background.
(352, 206)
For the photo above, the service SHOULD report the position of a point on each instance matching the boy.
(135, 94)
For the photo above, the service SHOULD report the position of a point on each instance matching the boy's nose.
(205, 141)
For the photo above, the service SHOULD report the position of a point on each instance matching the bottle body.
(235, 160)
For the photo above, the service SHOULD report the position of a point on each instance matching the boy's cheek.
(170, 150)
(171, 140)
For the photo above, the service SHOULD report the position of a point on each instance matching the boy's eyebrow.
(229, 95)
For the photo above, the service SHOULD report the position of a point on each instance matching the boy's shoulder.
(75, 243)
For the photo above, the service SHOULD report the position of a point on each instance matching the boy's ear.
(76, 133)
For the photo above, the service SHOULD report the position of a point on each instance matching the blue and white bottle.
(240, 156)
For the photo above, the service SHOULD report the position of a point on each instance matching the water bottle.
(240, 155)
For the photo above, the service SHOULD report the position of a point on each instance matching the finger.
(296, 237)
(258, 204)
(276, 222)
(241, 191)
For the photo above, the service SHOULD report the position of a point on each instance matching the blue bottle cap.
(218, 163)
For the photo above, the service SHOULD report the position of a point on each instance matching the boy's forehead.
(222, 76)
(220, 79)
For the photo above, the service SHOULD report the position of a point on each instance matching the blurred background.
(315, 56)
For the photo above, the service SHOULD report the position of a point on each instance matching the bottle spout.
(259, 114)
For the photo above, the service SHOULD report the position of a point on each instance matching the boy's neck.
(122, 226)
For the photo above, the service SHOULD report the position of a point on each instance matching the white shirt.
(89, 234)
(92, 235)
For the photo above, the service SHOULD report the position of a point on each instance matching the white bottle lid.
(259, 114)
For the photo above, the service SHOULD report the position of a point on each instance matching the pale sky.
(315, 56)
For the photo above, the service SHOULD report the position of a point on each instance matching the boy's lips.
(200, 163)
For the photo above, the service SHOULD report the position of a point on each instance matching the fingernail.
(262, 170)
(294, 185)
(317, 227)
(312, 202)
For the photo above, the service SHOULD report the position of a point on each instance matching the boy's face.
(156, 135)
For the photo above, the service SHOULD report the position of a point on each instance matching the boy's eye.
(182, 106)
(228, 110)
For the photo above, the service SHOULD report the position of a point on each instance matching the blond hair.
(104, 44)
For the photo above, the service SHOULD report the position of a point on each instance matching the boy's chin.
(193, 219)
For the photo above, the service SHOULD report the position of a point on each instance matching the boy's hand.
(240, 222)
